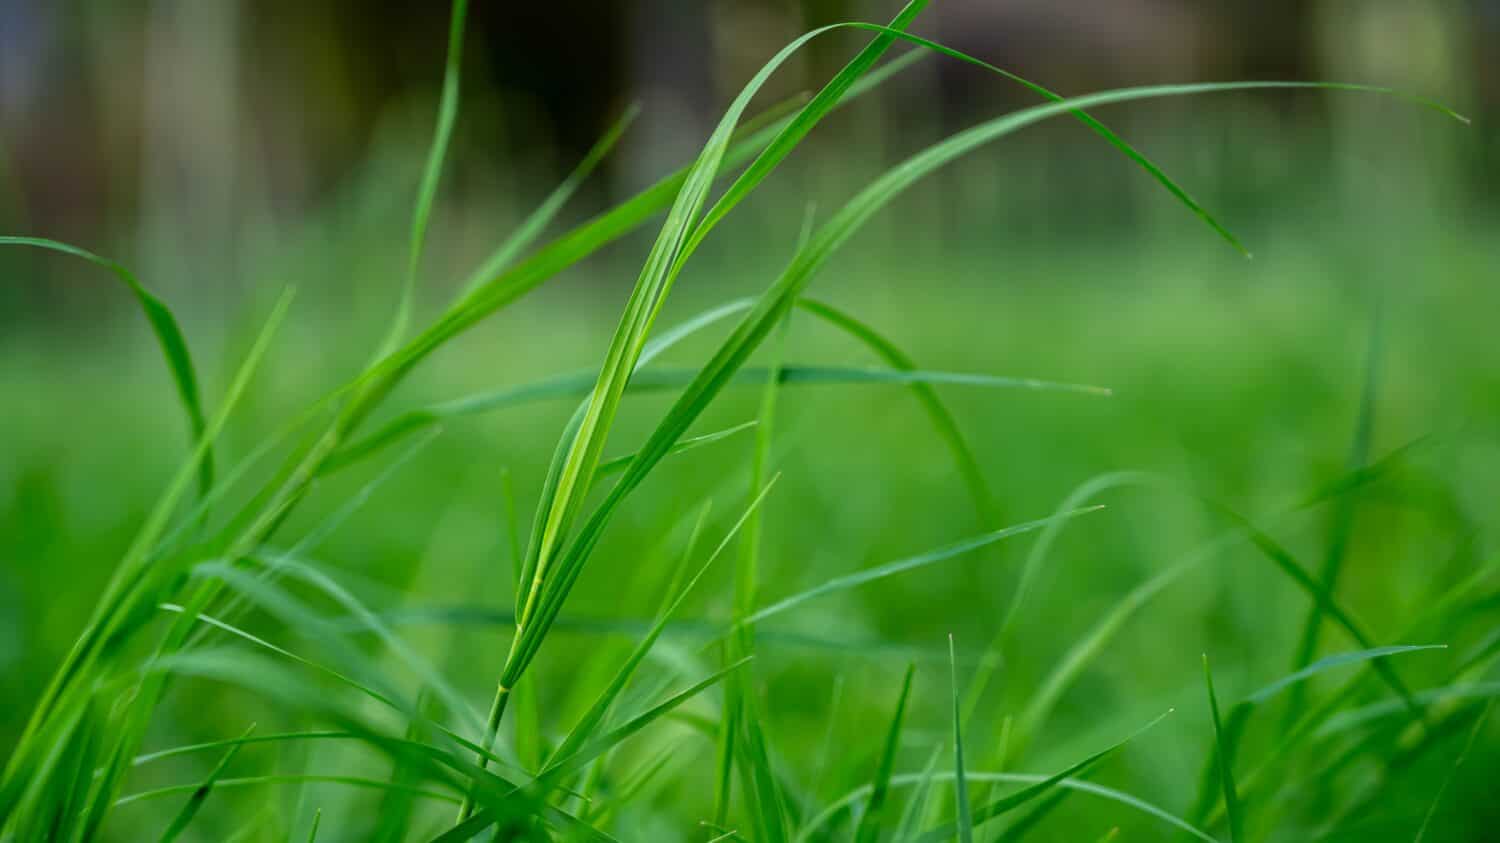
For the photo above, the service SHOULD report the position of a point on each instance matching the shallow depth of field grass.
(893, 513)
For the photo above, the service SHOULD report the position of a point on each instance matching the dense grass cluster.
(1364, 732)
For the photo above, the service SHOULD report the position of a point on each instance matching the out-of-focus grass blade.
(1344, 507)
(1288, 565)
(1031, 819)
(910, 563)
(1333, 661)
(937, 412)
(1226, 762)
(283, 778)
(317, 820)
(870, 823)
(432, 173)
(537, 221)
(201, 792)
(1458, 764)
(964, 821)
(809, 831)
(1021, 797)
(174, 347)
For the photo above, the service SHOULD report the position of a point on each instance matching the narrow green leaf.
(1226, 763)
(201, 792)
(870, 823)
(964, 822)
(174, 347)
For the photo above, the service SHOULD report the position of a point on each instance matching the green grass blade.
(432, 174)
(1458, 764)
(964, 821)
(1334, 661)
(937, 412)
(618, 464)
(1025, 795)
(174, 347)
(201, 793)
(816, 823)
(870, 823)
(1226, 763)
(537, 221)
(583, 731)
(922, 560)
(1342, 526)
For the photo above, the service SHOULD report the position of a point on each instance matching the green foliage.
(603, 741)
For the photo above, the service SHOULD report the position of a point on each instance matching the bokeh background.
(224, 150)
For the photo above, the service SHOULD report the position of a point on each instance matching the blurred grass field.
(1370, 305)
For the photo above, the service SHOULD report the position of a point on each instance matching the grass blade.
(201, 792)
(964, 821)
(869, 824)
(1226, 763)
(174, 347)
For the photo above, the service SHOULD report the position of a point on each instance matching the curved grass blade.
(201, 792)
(869, 824)
(937, 412)
(773, 304)
(1079, 785)
(432, 173)
(1333, 661)
(1226, 763)
(174, 347)
(910, 563)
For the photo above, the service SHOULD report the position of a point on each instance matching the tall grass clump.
(213, 574)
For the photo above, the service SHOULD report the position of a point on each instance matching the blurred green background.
(225, 149)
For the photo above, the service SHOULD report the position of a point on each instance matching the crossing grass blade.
(1005, 804)
(937, 412)
(1226, 762)
(1078, 785)
(201, 793)
(1342, 525)
(1458, 763)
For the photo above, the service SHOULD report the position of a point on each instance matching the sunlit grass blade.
(201, 793)
(872, 820)
(1226, 762)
